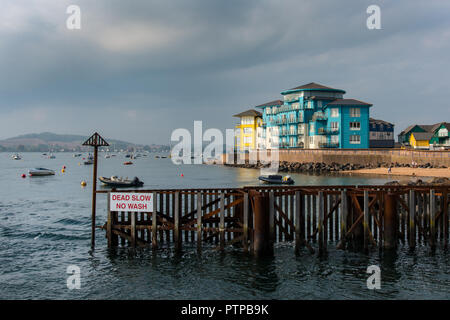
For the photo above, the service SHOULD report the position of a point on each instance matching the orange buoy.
(63, 170)
(83, 183)
(24, 175)
(64, 167)
(182, 175)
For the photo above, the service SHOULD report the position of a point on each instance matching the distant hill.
(48, 141)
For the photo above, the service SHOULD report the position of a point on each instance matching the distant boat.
(127, 163)
(75, 155)
(51, 156)
(276, 179)
(40, 172)
(107, 156)
(90, 160)
(16, 157)
(121, 183)
(127, 156)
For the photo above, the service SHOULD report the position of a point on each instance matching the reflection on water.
(46, 227)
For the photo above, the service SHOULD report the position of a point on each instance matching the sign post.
(94, 141)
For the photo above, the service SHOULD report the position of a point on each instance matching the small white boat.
(41, 172)
(16, 157)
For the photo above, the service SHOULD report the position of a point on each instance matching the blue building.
(315, 116)
(381, 134)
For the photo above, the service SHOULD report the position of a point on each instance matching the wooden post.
(272, 217)
(109, 222)
(412, 217)
(199, 220)
(245, 235)
(94, 197)
(366, 220)
(154, 223)
(445, 215)
(222, 222)
(298, 221)
(133, 229)
(320, 225)
(344, 214)
(390, 221)
(176, 234)
(432, 219)
(261, 241)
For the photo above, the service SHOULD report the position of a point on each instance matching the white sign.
(137, 202)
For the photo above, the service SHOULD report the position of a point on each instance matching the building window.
(319, 104)
(355, 112)
(247, 140)
(335, 139)
(355, 139)
(334, 126)
(335, 112)
(248, 130)
(311, 127)
(355, 125)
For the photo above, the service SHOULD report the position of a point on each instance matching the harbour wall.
(354, 156)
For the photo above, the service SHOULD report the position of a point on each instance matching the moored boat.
(276, 179)
(40, 172)
(116, 182)
(16, 157)
(127, 163)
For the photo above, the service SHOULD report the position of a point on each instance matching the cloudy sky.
(139, 69)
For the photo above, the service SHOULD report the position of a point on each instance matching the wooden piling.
(245, 224)
(445, 217)
(320, 224)
(412, 217)
(109, 221)
(344, 215)
(154, 223)
(261, 242)
(432, 219)
(272, 234)
(199, 220)
(222, 221)
(176, 219)
(133, 229)
(390, 222)
(298, 221)
(366, 220)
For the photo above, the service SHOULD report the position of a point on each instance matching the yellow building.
(420, 140)
(246, 130)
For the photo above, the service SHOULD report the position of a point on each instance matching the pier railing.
(254, 218)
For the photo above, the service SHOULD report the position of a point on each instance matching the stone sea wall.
(356, 158)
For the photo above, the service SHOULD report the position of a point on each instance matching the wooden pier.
(255, 218)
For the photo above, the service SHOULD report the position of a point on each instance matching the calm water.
(45, 227)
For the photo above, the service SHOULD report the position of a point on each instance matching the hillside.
(47, 141)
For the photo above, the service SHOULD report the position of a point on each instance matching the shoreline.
(409, 172)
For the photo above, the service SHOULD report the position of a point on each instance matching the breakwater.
(358, 158)
(255, 218)
(322, 167)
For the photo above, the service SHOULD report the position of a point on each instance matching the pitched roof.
(313, 85)
(249, 113)
(438, 125)
(422, 135)
(348, 102)
(427, 127)
(378, 121)
(271, 103)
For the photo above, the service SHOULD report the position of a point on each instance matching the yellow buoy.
(63, 170)
(83, 183)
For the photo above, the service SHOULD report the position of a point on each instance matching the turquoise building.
(314, 116)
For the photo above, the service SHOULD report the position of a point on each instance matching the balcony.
(319, 116)
(328, 144)
(327, 131)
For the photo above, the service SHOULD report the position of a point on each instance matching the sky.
(137, 70)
